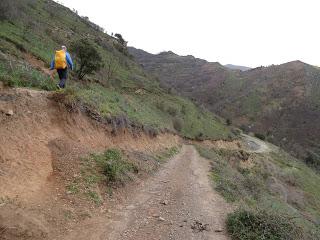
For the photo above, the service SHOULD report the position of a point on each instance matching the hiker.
(62, 61)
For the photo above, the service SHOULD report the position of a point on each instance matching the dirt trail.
(178, 202)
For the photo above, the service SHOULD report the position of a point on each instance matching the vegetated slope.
(30, 32)
(280, 102)
(278, 195)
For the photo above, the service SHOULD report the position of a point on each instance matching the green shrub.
(260, 136)
(89, 58)
(313, 160)
(115, 167)
(261, 225)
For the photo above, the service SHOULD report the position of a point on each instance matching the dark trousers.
(63, 74)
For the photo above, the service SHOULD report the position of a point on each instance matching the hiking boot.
(58, 86)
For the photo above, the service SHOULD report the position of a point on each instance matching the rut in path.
(177, 203)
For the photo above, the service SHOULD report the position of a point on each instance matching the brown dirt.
(177, 203)
(40, 147)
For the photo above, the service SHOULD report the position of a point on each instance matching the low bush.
(115, 167)
(313, 160)
(260, 136)
(261, 225)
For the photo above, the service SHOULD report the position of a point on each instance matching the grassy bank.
(279, 196)
(128, 92)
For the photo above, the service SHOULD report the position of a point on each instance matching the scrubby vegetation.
(115, 167)
(260, 136)
(101, 173)
(313, 159)
(261, 225)
(23, 75)
(113, 86)
(168, 153)
(274, 190)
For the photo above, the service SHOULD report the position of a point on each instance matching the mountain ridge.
(253, 99)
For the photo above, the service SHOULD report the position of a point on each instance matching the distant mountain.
(236, 67)
(281, 102)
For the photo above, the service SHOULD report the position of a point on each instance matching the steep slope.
(280, 102)
(120, 90)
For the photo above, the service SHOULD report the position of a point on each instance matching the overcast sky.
(242, 32)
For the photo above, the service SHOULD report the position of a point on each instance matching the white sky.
(242, 32)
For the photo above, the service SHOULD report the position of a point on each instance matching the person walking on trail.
(61, 62)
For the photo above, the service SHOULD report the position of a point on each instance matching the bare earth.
(178, 202)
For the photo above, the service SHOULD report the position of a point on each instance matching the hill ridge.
(253, 99)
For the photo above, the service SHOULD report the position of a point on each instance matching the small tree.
(121, 44)
(111, 67)
(120, 39)
(88, 56)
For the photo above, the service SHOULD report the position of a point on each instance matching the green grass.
(166, 154)
(44, 26)
(158, 111)
(25, 76)
(275, 183)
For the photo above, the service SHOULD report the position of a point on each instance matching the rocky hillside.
(280, 102)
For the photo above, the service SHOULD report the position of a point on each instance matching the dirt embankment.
(37, 127)
(39, 141)
(41, 146)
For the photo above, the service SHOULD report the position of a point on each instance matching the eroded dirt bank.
(40, 147)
